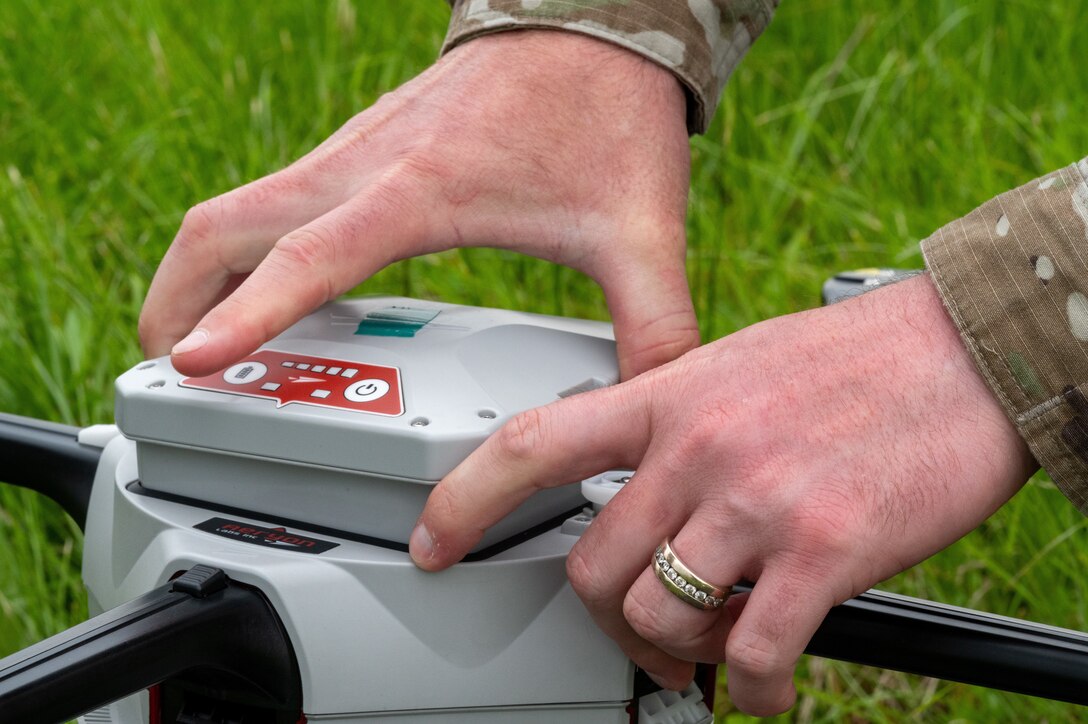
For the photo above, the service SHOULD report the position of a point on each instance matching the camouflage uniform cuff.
(1013, 275)
(701, 41)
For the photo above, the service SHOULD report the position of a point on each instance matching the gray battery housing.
(461, 375)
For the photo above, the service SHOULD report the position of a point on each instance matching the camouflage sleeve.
(701, 41)
(1014, 276)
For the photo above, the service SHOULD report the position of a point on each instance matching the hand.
(815, 454)
(548, 143)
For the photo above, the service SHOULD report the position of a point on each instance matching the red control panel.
(290, 378)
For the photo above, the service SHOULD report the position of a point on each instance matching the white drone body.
(301, 471)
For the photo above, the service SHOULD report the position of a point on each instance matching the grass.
(852, 131)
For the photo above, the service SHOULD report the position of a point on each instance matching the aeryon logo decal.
(269, 537)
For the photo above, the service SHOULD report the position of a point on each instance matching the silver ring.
(682, 582)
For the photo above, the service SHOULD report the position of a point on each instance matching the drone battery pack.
(349, 418)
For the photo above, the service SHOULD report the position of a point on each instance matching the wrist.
(574, 64)
(916, 308)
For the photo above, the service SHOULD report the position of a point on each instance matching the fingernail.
(421, 544)
(196, 339)
(658, 680)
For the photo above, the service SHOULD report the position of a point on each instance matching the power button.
(366, 390)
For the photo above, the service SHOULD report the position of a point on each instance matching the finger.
(545, 447)
(306, 268)
(228, 236)
(679, 628)
(652, 312)
(777, 621)
(612, 554)
(222, 237)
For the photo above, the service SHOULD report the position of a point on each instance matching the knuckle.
(702, 439)
(649, 623)
(200, 224)
(821, 533)
(307, 248)
(585, 580)
(359, 130)
(144, 323)
(147, 329)
(422, 161)
(707, 435)
(523, 437)
(754, 655)
(446, 505)
(667, 344)
(413, 176)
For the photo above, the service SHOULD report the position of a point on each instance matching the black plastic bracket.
(200, 581)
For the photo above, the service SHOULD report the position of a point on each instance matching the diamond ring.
(683, 583)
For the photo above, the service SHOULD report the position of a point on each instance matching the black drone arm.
(957, 644)
(200, 621)
(48, 457)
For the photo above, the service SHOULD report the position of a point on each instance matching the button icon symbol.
(366, 390)
(244, 372)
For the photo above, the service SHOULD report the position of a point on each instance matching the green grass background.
(852, 131)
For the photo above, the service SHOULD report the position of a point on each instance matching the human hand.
(815, 454)
(548, 143)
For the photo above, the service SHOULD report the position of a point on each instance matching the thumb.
(544, 447)
(652, 314)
